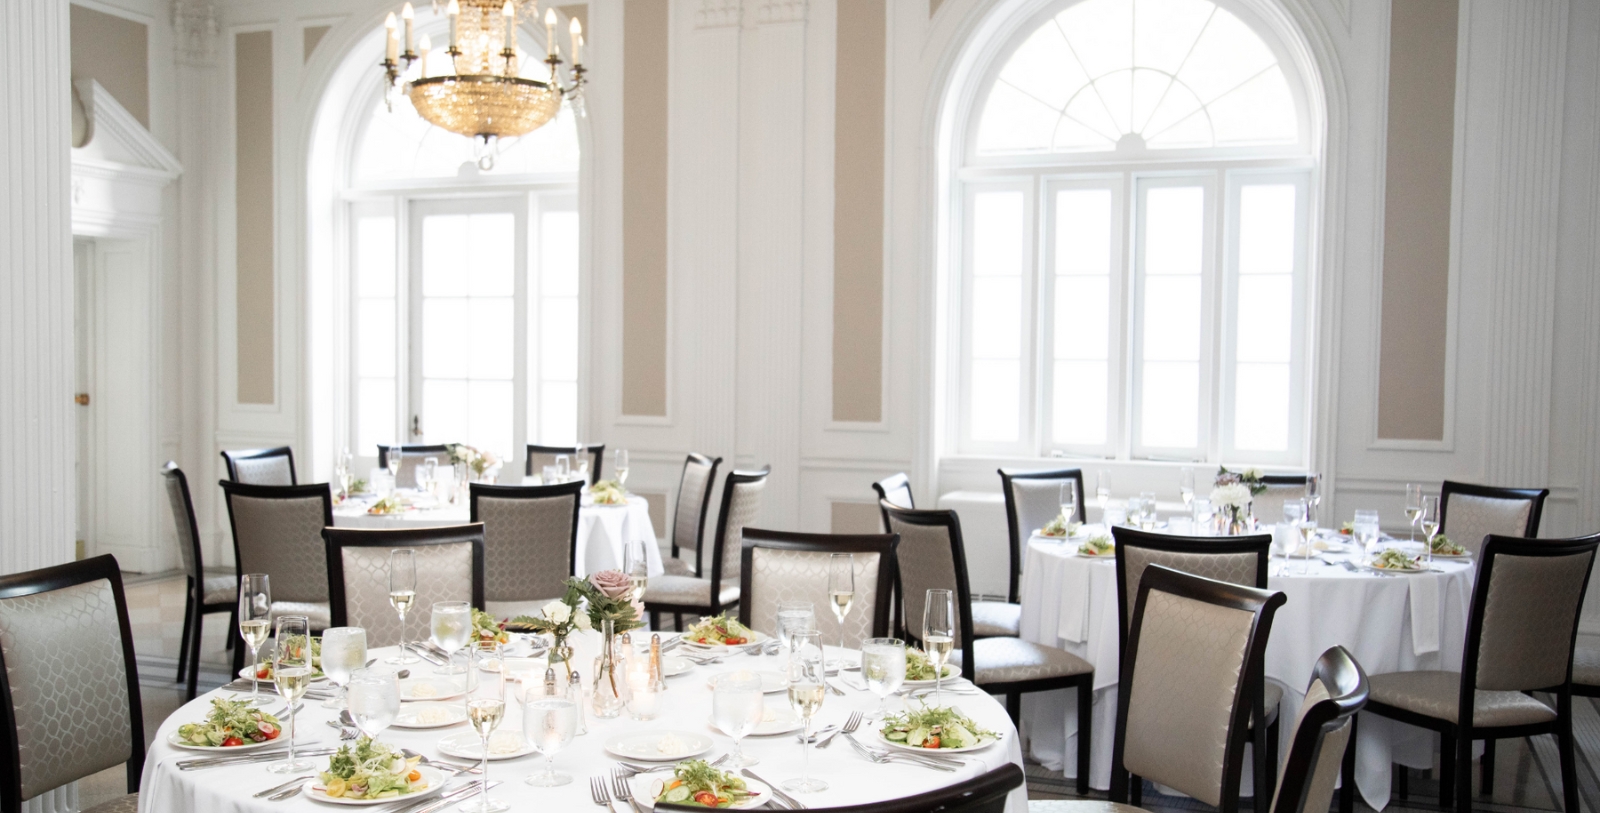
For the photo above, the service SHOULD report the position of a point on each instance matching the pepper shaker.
(575, 694)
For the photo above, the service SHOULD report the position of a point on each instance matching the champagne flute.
(563, 468)
(374, 700)
(255, 622)
(1102, 490)
(452, 628)
(402, 594)
(620, 466)
(391, 461)
(737, 706)
(841, 593)
(1294, 513)
(580, 464)
(794, 616)
(291, 670)
(1413, 507)
(344, 650)
(1186, 486)
(883, 665)
(806, 693)
(1147, 509)
(341, 470)
(1069, 502)
(939, 635)
(1313, 495)
(636, 563)
(486, 707)
(549, 723)
(428, 474)
(1430, 524)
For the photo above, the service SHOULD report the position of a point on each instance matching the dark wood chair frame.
(45, 580)
(597, 457)
(897, 480)
(1264, 605)
(1455, 739)
(1013, 691)
(884, 545)
(1534, 495)
(338, 539)
(195, 609)
(230, 488)
(231, 458)
(1013, 594)
(734, 478)
(1265, 754)
(573, 489)
(705, 503)
(1347, 689)
(985, 793)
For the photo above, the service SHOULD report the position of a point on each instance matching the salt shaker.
(575, 694)
(550, 682)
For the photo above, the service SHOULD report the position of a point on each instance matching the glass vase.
(610, 675)
(561, 652)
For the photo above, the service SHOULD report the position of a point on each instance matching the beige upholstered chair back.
(927, 562)
(444, 573)
(1325, 771)
(1529, 611)
(527, 545)
(1233, 568)
(541, 456)
(282, 537)
(264, 471)
(689, 520)
(1468, 518)
(1038, 502)
(779, 575)
(1267, 507)
(183, 520)
(69, 683)
(742, 509)
(1186, 680)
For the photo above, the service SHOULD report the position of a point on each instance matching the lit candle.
(509, 13)
(392, 46)
(423, 48)
(454, 11)
(408, 14)
(550, 31)
(577, 40)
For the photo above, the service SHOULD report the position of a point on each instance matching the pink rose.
(613, 583)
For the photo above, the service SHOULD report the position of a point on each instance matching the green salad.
(1060, 526)
(918, 667)
(1442, 546)
(1393, 559)
(1099, 545)
(371, 770)
(719, 630)
(695, 783)
(934, 728)
(231, 723)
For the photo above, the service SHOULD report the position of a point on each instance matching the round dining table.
(684, 707)
(1389, 622)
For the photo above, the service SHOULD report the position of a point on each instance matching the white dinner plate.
(757, 637)
(1423, 569)
(434, 778)
(434, 688)
(951, 672)
(646, 786)
(772, 681)
(504, 743)
(773, 722)
(246, 672)
(177, 742)
(658, 746)
(673, 667)
(1462, 558)
(430, 715)
(983, 742)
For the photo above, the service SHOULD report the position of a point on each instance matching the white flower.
(557, 611)
(1235, 494)
(582, 622)
(1253, 474)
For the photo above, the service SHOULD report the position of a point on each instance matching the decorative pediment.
(114, 137)
(118, 169)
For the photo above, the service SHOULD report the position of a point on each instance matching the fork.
(621, 790)
(597, 789)
(850, 727)
(880, 759)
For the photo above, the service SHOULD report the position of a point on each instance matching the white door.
(82, 326)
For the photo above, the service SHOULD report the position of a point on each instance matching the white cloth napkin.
(1424, 613)
(1073, 624)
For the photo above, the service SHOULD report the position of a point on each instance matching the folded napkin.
(1073, 619)
(1424, 612)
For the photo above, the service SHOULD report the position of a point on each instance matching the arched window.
(1131, 239)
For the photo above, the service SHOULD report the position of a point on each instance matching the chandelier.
(485, 95)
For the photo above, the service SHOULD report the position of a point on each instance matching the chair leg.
(1463, 777)
(1402, 782)
(1119, 783)
(1347, 771)
(233, 624)
(1447, 771)
(1136, 790)
(1085, 733)
(677, 621)
(655, 620)
(194, 655)
(1486, 769)
(188, 622)
(1272, 754)
(1258, 757)
(1564, 743)
(1014, 708)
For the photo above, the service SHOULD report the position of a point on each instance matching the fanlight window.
(402, 145)
(1157, 74)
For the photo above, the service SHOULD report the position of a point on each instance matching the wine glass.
(402, 594)
(1186, 486)
(1102, 489)
(255, 622)
(636, 563)
(563, 468)
(1294, 513)
(883, 664)
(1430, 524)
(549, 724)
(1069, 502)
(1365, 530)
(374, 700)
(486, 707)
(737, 706)
(1313, 495)
(806, 693)
(1203, 516)
(391, 461)
(1413, 507)
(427, 474)
(341, 470)
(620, 466)
(1147, 509)
(793, 617)
(841, 593)
(452, 628)
(344, 650)
(939, 635)
(580, 464)
(291, 670)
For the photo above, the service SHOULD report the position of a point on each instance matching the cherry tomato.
(931, 742)
(706, 798)
(736, 641)
(413, 776)
(232, 741)
(273, 734)
(263, 673)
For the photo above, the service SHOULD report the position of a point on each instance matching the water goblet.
(737, 706)
(452, 628)
(374, 696)
(883, 665)
(549, 724)
(344, 650)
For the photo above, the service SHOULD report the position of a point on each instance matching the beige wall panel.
(644, 209)
(1416, 243)
(858, 158)
(115, 52)
(254, 286)
(312, 35)
(855, 518)
(658, 513)
(933, 6)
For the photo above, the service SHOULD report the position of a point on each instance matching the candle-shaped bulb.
(577, 40)
(391, 44)
(454, 11)
(509, 12)
(550, 31)
(409, 15)
(424, 45)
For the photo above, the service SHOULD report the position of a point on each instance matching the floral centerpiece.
(1252, 479)
(558, 619)
(484, 465)
(602, 601)
(1232, 501)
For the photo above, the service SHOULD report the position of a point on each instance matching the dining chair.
(689, 519)
(277, 530)
(931, 555)
(1586, 666)
(783, 566)
(984, 793)
(741, 501)
(1033, 499)
(69, 685)
(1267, 507)
(896, 488)
(1468, 513)
(203, 595)
(261, 467)
(449, 563)
(1520, 635)
(530, 539)
(541, 456)
(411, 456)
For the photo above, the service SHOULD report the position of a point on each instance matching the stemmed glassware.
(341, 470)
(841, 592)
(291, 670)
(580, 464)
(374, 700)
(1313, 495)
(1365, 530)
(563, 468)
(344, 650)
(883, 664)
(1430, 524)
(620, 466)
(636, 563)
(806, 692)
(1102, 489)
(1147, 510)
(793, 617)
(391, 461)
(1294, 513)
(549, 723)
(452, 628)
(402, 594)
(1186, 487)
(486, 707)
(737, 706)
(427, 474)
(255, 623)
(1069, 502)
(939, 635)
(1413, 507)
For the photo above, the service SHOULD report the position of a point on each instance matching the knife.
(427, 655)
(267, 756)
(778, 794)
(450, 798)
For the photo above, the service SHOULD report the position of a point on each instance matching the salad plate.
(178, 742)
(648, 787)
(227, 721)
(430, 715)
(952, 731)
(658, 746)
(245, 673)
(917, 664)
(430, 689)
(504, 743)
(315, 790)
(1460, 557)
(982, 743)
(1096, 547)
(721, 632)
(772, 681)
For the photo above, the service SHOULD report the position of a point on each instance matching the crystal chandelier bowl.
(474, 106)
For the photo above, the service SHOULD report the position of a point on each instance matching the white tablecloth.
(687, 707)
(1389, 623)
(603, 530)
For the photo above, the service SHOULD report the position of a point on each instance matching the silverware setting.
(441, 802)
(443, 766)
(246, 759)
(428, 655)
(285, 786)
(821, 732)
(850, 726)
(881, 757)
(793, 803)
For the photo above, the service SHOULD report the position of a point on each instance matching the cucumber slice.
(677, 794)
